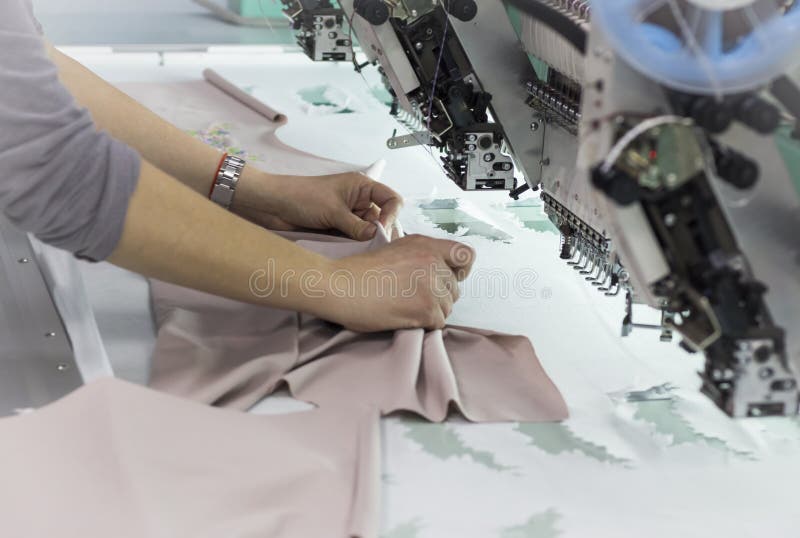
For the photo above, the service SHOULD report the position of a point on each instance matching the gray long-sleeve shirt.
(60, 178)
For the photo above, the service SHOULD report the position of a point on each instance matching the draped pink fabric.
(113, 459)
(117, 460)
(232, 354)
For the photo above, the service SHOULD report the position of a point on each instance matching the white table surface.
(619, 469)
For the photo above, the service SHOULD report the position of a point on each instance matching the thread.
(552, 48)
(438, 66)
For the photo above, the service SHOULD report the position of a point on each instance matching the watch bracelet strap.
(224, 188)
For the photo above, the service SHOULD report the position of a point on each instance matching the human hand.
(411, 283)
(350, 203)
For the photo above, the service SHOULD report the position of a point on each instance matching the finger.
(370, 215)
(446, 284)
(389, 203)
(455, 291)
(458, 256)
(389, 214)
(356, 228)
(440, 277)
(447, 307)
(439, 320)
(463, 274)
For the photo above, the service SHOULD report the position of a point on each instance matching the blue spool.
(695, 58)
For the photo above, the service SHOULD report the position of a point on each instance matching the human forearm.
(164, 145)
(344, 201)
(175, 235)
(167, 230)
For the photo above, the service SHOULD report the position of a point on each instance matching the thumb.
(355, 227)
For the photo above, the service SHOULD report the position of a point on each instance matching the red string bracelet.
(216, 175)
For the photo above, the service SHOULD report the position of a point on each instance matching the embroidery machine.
(656, 131)
(638, 428)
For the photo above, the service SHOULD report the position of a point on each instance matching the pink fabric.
(113, 459)
(232, 354)
(118, 460)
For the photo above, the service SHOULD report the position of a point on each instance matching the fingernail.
(370, 231)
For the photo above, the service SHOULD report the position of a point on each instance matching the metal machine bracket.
(37, 365)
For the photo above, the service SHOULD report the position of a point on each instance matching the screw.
(788, 384)
(23, 260)
(763, 354)
(49, 335)
(535, 126)
(545, 161)
(736, 264)
(62, 367)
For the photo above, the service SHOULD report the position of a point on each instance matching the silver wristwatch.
(224, 188)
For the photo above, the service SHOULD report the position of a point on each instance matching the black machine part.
(710, 296)
(376, 12)
(452, 104)
(463, 10)
(717, 115)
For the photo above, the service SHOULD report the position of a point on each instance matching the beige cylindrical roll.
(217, 80)
(553, 49)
